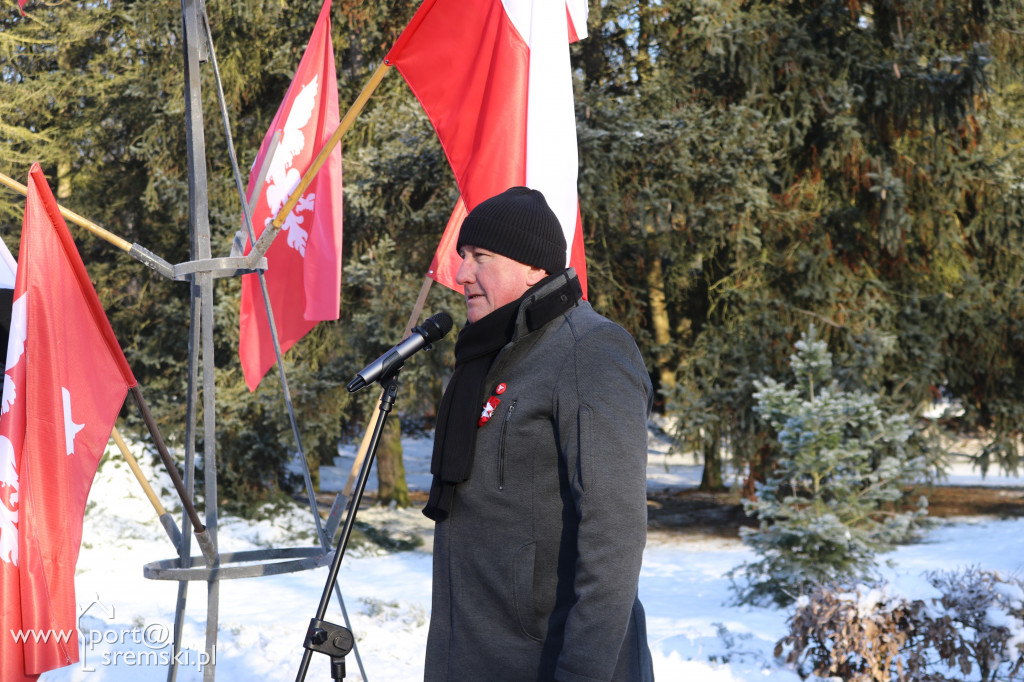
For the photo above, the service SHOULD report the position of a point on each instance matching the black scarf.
(477, 346)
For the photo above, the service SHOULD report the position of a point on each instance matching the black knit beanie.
(518, 224)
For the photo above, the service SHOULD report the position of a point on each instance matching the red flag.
(495, 80)
(304, 262)
(65, 381)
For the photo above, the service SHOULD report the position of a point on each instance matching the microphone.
(433, 329)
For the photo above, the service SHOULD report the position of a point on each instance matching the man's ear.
(535, 275)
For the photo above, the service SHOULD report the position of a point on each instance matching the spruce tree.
(833, 500)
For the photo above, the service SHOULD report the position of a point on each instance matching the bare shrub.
(973, 628)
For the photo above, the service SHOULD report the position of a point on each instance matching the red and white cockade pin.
(488, 411)
(491, 404)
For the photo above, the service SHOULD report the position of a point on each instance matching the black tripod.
(327, 638)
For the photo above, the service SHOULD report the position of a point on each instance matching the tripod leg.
(348, 624)
(322, 636)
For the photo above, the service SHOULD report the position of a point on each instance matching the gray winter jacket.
(536, 567)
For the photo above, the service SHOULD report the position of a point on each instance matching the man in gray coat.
(539, 464)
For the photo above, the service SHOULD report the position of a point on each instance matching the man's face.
(491, 280)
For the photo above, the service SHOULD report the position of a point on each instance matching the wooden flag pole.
(417, 310)
(137, 252)
(165, 518)
(72, 216)
(321, 158)
(264, 243)
(205, 543)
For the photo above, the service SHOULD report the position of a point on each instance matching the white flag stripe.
(552, 159)
(578, 13)
(8, 266)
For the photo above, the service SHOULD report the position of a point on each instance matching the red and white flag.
(304, 262)
(65, 381)
(495, 80)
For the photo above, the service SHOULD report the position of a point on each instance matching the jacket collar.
(548, 299)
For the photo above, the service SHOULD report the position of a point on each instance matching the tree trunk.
(391, 485)
(63, 181)
(757, 469)
(64, 164)
(711, 480)
(655, 277)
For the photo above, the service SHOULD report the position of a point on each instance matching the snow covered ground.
(694, 632)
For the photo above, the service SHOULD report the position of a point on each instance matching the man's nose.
(465, 273)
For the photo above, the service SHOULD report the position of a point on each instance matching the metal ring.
(257, 563)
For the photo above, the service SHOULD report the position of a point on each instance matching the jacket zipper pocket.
(501, 446)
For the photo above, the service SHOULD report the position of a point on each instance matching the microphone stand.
(323, 637)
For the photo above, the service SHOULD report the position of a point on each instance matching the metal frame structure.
(200, 272)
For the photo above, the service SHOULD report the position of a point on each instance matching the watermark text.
(115, 644)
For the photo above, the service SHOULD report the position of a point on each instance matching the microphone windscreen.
(437, 326)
